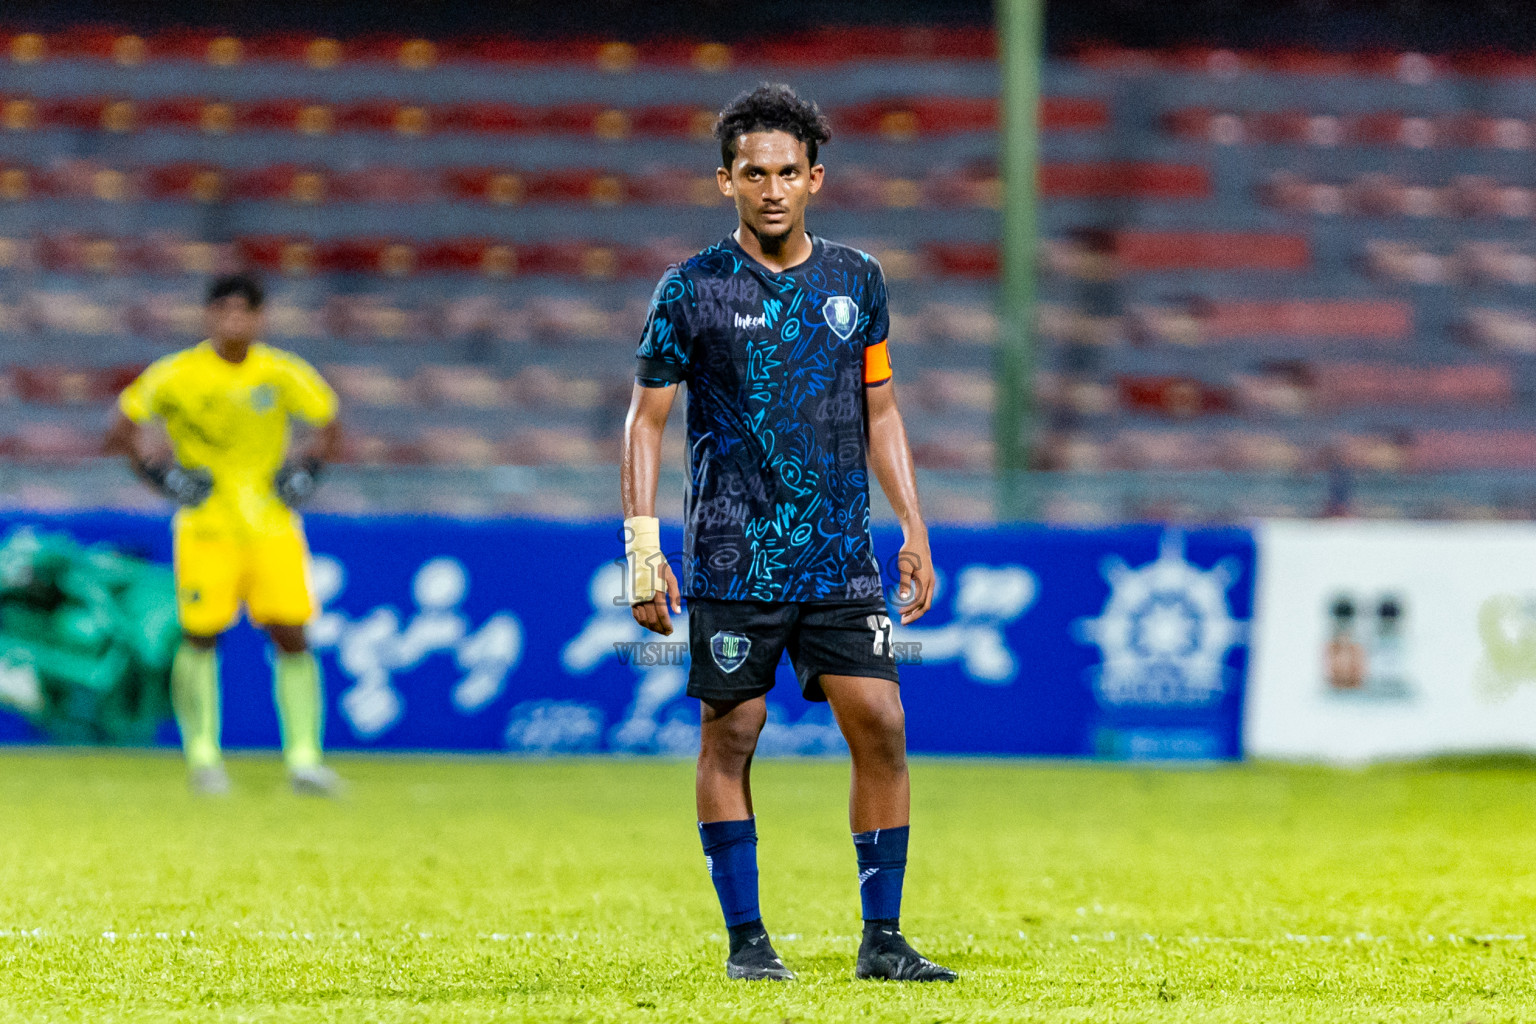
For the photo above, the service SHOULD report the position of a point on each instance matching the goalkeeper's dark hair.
(771, 108)
(244, 285)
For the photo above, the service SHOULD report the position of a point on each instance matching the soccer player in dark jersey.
(781, 339)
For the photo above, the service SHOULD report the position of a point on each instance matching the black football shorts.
(735, 646)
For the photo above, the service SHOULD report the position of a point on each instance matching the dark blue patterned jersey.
(776, 366)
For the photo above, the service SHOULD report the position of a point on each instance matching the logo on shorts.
(729, 650)
(842, 315)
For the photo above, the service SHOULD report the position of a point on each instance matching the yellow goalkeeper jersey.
(233, 420)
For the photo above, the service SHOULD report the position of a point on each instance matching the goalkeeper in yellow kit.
(226, 406)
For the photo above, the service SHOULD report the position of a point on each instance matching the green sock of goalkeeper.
(300, 707)
(195, 697)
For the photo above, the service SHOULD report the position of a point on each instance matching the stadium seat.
(1365, 320)
(1468, 386)
(1174, 397)
(52, 384)
(1246, 452)
(459, 386)
(539, 446)
(369, 386)
(1124, 180)
(1196, 250)
(1161, 450)
(53, 443)
(1501, 330)
(1432, 450)
(951, 390)
(954, 450)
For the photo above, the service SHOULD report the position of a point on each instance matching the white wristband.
(642, 549)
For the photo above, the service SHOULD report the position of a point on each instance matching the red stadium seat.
(54, 443)
(543, 447)
(1437, 450)
(1146, 449)
(575, 185)
(465, 256)
(1209, 250)
(179, 114)
(1299, 61)
(1175, 397)
(965, 259)
(1376, 320)
(489, 118)
(955, 450)
(369, 116)
(675, 121)
(1354, 384)
(64, 385)
(386, 185)
(202, 183)
(1124, 180)
(74, 113)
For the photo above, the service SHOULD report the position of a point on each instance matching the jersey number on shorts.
(881, 626)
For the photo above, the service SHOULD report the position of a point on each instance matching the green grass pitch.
(505, 890)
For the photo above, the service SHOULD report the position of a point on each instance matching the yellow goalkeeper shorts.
(217, 572)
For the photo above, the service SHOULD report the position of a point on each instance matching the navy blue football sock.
(882, 868)
(730, 850)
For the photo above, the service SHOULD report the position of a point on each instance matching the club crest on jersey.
(263, 397)
(842, 315)
(729, 650)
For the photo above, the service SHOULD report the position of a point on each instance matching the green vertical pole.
(1021, 52)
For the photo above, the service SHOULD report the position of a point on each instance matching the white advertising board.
(1392, 640)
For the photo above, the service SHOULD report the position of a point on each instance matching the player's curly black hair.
(244, 285)
(771, 107)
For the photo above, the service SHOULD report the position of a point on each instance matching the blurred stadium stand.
(1278, 283)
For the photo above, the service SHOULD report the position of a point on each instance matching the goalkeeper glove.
(185, 486)
(296, 482)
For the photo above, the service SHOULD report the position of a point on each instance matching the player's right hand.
(185, 486)
(652, 614)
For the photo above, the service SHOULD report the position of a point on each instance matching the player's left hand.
(914, 594)
(296, 482)
(652, 614)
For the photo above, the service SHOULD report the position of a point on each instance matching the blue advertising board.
(511, 635)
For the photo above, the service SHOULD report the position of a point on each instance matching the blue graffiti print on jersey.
(774, 362)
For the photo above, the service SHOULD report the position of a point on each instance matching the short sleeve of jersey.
(879, 316)
(666, 343)
(140, 400)
(306, 395)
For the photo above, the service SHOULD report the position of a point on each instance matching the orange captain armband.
(877, 364)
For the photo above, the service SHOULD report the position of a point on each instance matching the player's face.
(232, 319)
(771, 180)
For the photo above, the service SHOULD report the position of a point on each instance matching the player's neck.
(779, 254)
(232, 350)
